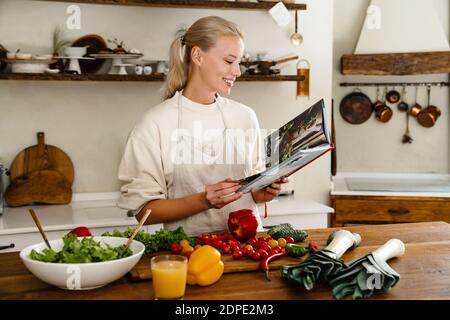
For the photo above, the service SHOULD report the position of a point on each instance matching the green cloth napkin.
(319, 267)
(363, 277)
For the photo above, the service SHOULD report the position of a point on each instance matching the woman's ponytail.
(178, 69)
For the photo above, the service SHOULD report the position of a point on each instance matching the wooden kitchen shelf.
(396, 63)
(130, 77)
(211, 4)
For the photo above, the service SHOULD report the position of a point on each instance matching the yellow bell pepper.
(205, 266)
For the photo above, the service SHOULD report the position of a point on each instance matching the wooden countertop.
(424, 270)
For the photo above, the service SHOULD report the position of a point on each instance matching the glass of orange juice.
(169, 273)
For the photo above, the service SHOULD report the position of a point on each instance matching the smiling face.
(218, 67)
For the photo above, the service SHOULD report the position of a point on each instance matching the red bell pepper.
(81, 232)
(242, 224)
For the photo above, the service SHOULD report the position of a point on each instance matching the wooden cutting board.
(42, 157)
(142, 270)
(40, 174)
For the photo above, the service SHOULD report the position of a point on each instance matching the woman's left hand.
(270, 192)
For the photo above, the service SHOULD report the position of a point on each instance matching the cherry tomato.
(187, 249)
(252, 242)
(273, 251)
(256, 256)
(268, 238)
(260, 244)
(250, 253)
(175, 248)
(265, 247)
(184, 243)
(262, 253)
(290, 239)
(282, 242)
(272, 243)
(226, 248)
(278, 248)
(235, 241)
(218, 244)
(237, 254)
(234, 248)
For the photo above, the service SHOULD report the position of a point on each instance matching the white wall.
(91, 120)
(374, 146)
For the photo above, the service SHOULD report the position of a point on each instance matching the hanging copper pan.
(356, 107)
(428, 116)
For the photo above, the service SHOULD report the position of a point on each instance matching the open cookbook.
(291, 147)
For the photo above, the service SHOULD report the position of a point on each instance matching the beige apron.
(190, 178)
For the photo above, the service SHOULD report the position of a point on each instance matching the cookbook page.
(291, 147)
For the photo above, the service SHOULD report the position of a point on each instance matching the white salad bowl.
(82, 276)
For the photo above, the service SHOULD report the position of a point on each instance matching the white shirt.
(146, 168)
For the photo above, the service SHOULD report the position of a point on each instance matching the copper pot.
(428, 116)
(382, 112)
(378, 102)
(393, 96)
(416, 108)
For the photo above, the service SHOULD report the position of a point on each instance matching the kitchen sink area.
(430, 185)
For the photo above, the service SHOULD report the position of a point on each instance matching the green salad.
(84, 250)
(159, 241)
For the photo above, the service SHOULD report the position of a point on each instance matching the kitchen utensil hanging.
(428, 116)
(416, 108)
(382, 112)
(402, 105)
(377, 102)
(393, 96)
(296, 38)
(406, 136)
(303, 86)
(356, 107)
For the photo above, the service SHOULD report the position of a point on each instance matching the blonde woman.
(184, 156)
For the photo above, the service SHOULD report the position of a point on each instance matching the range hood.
(399, 37)
(394, 26)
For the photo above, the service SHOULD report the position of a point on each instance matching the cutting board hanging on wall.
(40, 174)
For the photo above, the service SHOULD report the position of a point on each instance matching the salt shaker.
(148, 70)
(138, 69)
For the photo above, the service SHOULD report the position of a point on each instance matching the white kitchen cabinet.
(17, 226)
(300, 213)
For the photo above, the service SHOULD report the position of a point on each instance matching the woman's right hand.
(222, 193)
